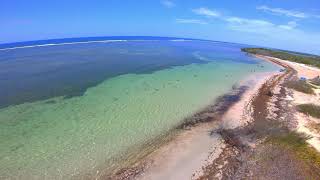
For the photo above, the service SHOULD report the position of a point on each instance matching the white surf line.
(60, 44)
(180, 40)
(86, 42)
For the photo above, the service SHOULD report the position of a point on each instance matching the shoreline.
(218, 143)
(198, 140)
(196, 149)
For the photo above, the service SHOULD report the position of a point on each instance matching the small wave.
(202, 58)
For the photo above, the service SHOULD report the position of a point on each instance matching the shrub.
(310, 109)
(301, 86)
(296, 142)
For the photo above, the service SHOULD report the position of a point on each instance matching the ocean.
(77, 107)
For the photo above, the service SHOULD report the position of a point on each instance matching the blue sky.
(286, 24)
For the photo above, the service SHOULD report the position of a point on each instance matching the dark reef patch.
(217, 109)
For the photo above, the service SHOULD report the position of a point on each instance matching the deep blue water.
(37, 73)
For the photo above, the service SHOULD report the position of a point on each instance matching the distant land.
(303, 58)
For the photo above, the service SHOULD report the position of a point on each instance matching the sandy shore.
(213, 148)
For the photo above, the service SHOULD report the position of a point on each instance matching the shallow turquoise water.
(61, 138)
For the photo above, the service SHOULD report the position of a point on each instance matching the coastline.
(93, 164)
(218, 139)
(198, 141)
(223, 138)
(195, 149)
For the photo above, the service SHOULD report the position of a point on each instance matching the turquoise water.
(61, 138)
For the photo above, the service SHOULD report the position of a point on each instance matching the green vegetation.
(296, 142)
(290, 56)
(301, 86)
(310, 109)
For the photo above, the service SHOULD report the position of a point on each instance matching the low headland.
(266, 128)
